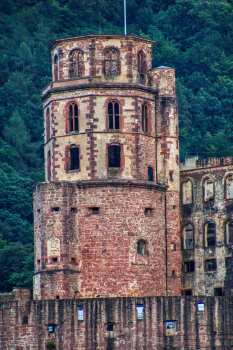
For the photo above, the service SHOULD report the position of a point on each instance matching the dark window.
(53, 260)
(74, 158)
(76, 64)
(25, 319)
(93, 211)
(149, 211)
(110, 327)
(210, 239)
(171, 175)
(113, 115)
(189, 266)
(150, 174)
(49, 166)
(110, 344)
(73, 210)
(55, 67)
(38, 261)
(51, 328)
(187, 292)
(218, 292)
(55, 209)
(141, 67)
(227, 261)
(114, 156)
(111, 62)
(57, 297)
(73, 117)
(188, 237)
(145, 117)
(141, 247)
(73, 260)
(47, 124)
(210, 265)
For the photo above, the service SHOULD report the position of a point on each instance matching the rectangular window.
(51, 328)
(218, 292)
(210, 265)
(139, 309)
(93, 211)
(110, 327)
(200, 307)
(25, 319)
(189, 266)
(74, 158)
(170, 324)
(149, 211)
(80, 314)
(187, 292)
(55, 209)
(150, 174)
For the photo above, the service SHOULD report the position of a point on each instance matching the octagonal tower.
(107, 217)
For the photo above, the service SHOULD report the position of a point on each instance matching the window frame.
(55, 67)
(205, 236)
(212, 269)
(184, 245)
(141, 247)
(207, 181)
(108, 156)
(227, 233)
(183, 183)
(191, 268)
(230, 175)
(76, 65)
(141, 66)
(48, 124)
(145, 117)
(114, 115)
(72, 168)
(110, 49)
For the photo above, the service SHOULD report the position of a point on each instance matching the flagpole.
(125, 15)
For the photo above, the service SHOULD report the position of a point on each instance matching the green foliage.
(193, 36)
(51, 345)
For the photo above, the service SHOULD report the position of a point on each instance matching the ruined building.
(113, 267)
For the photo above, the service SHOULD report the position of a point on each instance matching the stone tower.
(107, 217)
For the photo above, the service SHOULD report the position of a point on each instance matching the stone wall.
(160, 323)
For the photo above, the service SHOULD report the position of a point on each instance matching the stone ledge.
(56, 270)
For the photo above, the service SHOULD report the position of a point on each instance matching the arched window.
(47, 124)
(74, 158)
(188, 237)
(150, 174)
(187, 192)
(145, 117)
(114, 156)
(141, 66)
(229, 187)
(73, 117)
(208, 189)
(229, 232)
(141, 247)
(209, 234)
(55, 67)
(76, 64)
(113, 115)
(111, 64)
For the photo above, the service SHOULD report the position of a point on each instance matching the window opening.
(110, 61)
(173, 246)
(110, 327)
(55, 209)
(208, 190)
(51, 328)
(110, 344)
(73, 260)
(38, 262)
(57, 297)
(150, 174)
(229, 187)
(113, 115)
(80, 313)
(73, 117)
(141, 67)
(145, 117)
(49, 166)
(141, 247)
(114, 156)
(210, 264)
(25, 319)
(188, 237)
(93, 211)
(77, 63)
(170, 324)
(200, 307)
(55, 67)
(189, 266)
(73, 210)
(210, 239)
(47, 124)
(74, 158)
(229, 232)
(227, 261)
(149, 211)
(186, 292)
(139, 309)
(218, 292)
(53, 260)
(171, 175)
(173, 273)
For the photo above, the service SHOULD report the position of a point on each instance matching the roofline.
(55, 42)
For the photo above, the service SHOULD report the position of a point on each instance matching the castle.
(132, 251)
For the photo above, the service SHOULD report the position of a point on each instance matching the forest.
(193, 36)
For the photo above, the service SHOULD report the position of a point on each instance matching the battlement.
(193, 163)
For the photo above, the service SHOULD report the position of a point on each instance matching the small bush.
(51, 345)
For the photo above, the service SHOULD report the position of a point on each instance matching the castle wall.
(85, 254)
(198, 211)
(114, 324)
